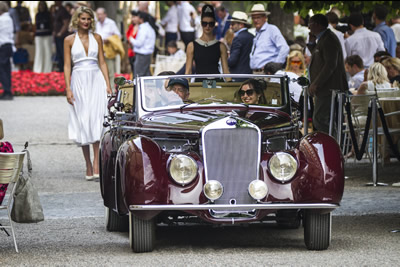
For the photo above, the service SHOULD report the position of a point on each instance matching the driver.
(179, 86)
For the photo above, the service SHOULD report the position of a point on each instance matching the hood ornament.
(231, 122)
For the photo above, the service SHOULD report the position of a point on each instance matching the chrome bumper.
(260, 206)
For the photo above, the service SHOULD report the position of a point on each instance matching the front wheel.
(142, 234)
(317, 230)
(114, 222)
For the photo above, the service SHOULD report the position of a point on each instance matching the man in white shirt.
(143, 46)
(170, 23)
(6, 50)
(333, 20)
(362, 42)
(396, 28)
(355, 67)
(106, 27)
(186, 16)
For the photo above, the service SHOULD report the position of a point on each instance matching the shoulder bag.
(26, 207)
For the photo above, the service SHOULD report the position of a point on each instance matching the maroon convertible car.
(215, 153)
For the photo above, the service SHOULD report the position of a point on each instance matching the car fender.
(322, 178)
(142, 176)
(107, 161)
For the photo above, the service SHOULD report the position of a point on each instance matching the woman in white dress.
(87, 87)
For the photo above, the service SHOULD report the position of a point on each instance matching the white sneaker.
(396, 184)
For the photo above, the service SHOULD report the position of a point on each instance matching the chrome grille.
(232, 158)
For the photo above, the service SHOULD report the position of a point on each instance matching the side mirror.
(119, 80)
(303, 81)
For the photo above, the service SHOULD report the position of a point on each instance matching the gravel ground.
(356, 241)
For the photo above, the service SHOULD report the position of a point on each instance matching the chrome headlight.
(283, 166)
(183, 169)
(213, 190)
(258, 189)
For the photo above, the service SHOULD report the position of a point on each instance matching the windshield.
(164, 92)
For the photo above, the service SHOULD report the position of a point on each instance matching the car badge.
(231, 122)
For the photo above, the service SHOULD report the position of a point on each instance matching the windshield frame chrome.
(143, 110)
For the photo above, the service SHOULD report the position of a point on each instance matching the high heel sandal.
(89, 178)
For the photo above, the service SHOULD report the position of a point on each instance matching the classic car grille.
(232, 159)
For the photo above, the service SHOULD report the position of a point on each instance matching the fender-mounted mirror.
(119, 80)
(303, 81)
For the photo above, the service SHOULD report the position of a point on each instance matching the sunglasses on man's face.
(249, 92)
(205, 23)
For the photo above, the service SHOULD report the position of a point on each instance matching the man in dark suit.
(239, 59)
(327, 70)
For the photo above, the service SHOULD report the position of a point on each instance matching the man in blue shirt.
(387, 34)
(239, 59)
(268, 44)
(223, 18)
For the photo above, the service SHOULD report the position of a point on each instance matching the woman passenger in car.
(251, 92)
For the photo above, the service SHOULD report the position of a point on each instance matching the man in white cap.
(239, 59)
(268, 44)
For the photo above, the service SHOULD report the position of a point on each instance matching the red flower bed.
(28, 83)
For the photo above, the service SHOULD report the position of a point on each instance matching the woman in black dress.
(207, 51)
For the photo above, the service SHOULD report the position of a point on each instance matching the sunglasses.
(205, 23)
(249, 92)
(295, 62)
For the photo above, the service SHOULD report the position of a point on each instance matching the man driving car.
(179, 86)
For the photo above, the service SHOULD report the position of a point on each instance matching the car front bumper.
(238, 207)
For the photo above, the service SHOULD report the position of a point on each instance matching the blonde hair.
(75, 18)
(377, 74)
(392, 62)
(295, 53)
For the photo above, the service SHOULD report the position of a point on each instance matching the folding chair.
(10, 168)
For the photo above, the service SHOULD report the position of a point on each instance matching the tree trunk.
(284, 21)
(110, 7)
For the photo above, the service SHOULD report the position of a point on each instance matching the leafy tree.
(346, 7)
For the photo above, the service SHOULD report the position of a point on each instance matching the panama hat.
(258, 9)
(239, 16)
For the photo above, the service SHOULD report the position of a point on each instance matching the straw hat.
(258, 9)
(239, 16)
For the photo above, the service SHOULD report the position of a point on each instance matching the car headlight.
(183, 169)
(283, 166)
(213, 190)
(258, 189)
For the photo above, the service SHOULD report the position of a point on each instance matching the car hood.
(195, 120)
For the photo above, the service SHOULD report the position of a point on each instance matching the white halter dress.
(89, 88)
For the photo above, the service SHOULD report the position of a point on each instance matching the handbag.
(21, 56)
(26, 207)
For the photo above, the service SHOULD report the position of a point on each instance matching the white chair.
(10, 168)
(168, 63)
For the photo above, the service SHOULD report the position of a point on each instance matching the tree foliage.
(346, 7)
